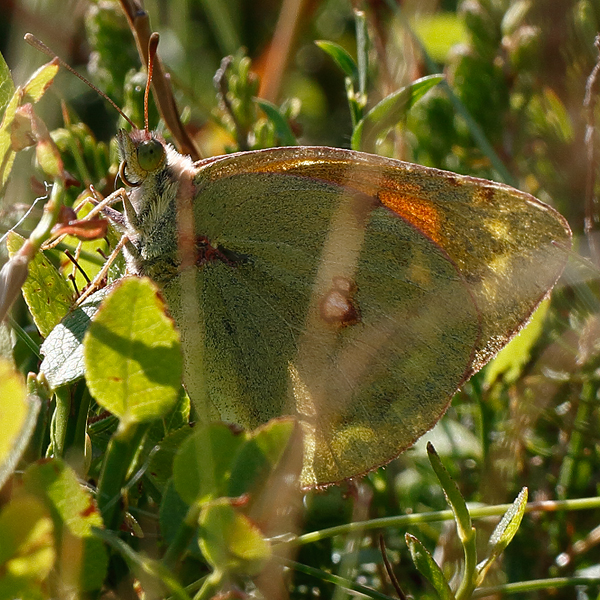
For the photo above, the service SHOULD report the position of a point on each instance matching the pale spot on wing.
(418, 272)
(500, 264)
(338, 306)
(498, 229)
(346, 440)
(495, 280)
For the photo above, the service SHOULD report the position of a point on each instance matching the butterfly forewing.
(352, 291)
(356, 293)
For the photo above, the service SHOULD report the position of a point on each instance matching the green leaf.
(515, 15)
(7, 87)
(17, 418)
(75, 514)
(46, 292)
(438, 32)
(510, 522)
(509, 362)
(389, 112)
(14, 412)
(63, 348)
(93, 565)
(58, 484)
(504, 533)
(40, 81)
(32, 91)
(428, 567)
(549, 118)
(7, 154)
(362, 50)
(173, 511)
(453, 495)
(230, 541)
(27, 552)
(132, 354)
(258, 456)
(203, 464)
(341, 57)
(282, 127)
(163, 439)
(160, 469)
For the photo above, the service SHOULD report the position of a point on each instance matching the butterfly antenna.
(152, 46)
(39, 45)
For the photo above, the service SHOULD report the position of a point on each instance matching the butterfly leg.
(101, 204)
(93, 286)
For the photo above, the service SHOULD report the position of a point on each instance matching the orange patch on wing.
(417, 211)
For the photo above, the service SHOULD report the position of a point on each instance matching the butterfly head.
(142, 154)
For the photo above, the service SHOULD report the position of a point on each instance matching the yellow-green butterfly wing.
(353, 291)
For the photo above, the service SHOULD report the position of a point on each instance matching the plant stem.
(184, 535)
(35, 447)
(211, 585)
(535, 584)
(477, 512)
(120, 455)
(581, 424)
(467, 585)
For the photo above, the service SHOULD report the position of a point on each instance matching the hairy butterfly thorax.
(158, 178)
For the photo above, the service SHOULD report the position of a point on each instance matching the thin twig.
(139, 23)
(389, 570)
(591, 202)
(222, 87)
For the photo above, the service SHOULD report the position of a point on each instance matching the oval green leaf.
(389, 112)
(230, 541)
(39, 82)
(17, 418)
(428, 567)
(132, 354)
(7, 87)
(203, 464)
(27, 551)
(282, 127)
(46, 292)
(63, 348)
(259, 455)
(341, 57)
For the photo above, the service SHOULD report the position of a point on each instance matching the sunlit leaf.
(47, 293)
(63, 348)
(230, 541)
(510, 361)
(389, 112)
(428, 567)
(341, 57)
(18, 415)
(132, 354)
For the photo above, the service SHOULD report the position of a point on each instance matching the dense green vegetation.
(512, 108)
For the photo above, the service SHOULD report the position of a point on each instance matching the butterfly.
(354, 292)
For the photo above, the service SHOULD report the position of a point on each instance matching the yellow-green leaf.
(230, 541)
(47, 293)
(17, 418)
(132, 353)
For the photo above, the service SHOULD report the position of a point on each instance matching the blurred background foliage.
(518, 69)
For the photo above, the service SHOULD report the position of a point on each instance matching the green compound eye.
(150, 154)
